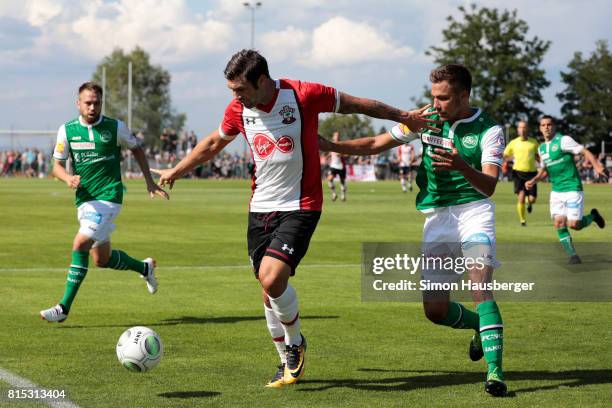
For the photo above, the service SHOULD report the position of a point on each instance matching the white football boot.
(54, 314)
(150, 278)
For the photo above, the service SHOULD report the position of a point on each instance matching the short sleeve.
(508, 151)
(60, 152)
(402, 134)
(231, 125)
(125, 137)
(570, 145)
(492, 146)
(318, 97)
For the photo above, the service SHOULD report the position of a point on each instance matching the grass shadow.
(189, 394)
(189, 320)
(420, 379)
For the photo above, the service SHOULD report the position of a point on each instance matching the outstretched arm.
(205, 150)
(416, 119)
(364, 146)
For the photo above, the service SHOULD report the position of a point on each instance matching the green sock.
(566, 241)
(585, 221)
(458, 317)
(76, 274)
(121, 260)
(491, 335)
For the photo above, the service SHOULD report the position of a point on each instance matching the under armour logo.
(287, 249)
(249, 121)
(264, 145)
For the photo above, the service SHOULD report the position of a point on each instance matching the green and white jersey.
(557, 156)
(479, 140)
(96, 156)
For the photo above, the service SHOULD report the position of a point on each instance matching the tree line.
(495, 45)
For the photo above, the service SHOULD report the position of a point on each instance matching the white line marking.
(19, 382)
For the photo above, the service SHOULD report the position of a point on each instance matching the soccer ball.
(139, 349)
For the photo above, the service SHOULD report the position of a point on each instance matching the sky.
(372, 49)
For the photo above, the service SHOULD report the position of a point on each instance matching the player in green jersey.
(458, 173)
(566, 198)
(93, 142)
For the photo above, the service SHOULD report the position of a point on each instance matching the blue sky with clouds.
(367, 48)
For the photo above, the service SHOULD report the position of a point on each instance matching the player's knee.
(436, 312)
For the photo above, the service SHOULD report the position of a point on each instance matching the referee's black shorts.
(520, 177)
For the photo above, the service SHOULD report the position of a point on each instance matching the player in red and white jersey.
(337, 167)
(406, 158)
(279, 120)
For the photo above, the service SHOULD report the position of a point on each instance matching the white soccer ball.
(139, 349)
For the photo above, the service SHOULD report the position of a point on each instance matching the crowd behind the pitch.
(173, 146)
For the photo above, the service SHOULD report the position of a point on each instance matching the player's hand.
(167, 177)
(418, 119)
(529, 184)
(154, 190)
(74, 181)
(445, 160)
(602, 174)
(324, 144)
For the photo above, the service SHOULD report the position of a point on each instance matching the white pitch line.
(178, 267)
(19, 382)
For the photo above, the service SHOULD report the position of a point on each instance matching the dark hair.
(547, 117)
(458, 76)
(91, 86)
(248, 64)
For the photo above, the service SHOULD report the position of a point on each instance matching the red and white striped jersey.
(283, 138)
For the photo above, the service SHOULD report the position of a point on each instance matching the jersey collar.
(466, 120)
(96, 123)
(268, 107)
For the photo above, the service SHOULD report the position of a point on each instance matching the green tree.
(507, 80)
(350, 126)
(588, 95)
(151, 104)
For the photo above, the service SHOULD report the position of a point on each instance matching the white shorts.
(96, 220)
(569, 204)
(459, 231)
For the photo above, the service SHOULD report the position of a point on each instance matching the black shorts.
(284, 235)
(403, 170)
(337, 172)
(520, 177)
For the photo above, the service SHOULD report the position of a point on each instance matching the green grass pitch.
(208, 310)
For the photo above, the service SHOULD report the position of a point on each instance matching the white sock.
(331, 186)
(277, 332)
(286, 310)
(343, 188)
(403, 184)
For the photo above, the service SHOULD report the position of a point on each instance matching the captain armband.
(402, 133)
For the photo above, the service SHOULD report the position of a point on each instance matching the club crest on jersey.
(469, 141)
(287, 114)
(264, 146)
(105, 136)
(555, 148)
